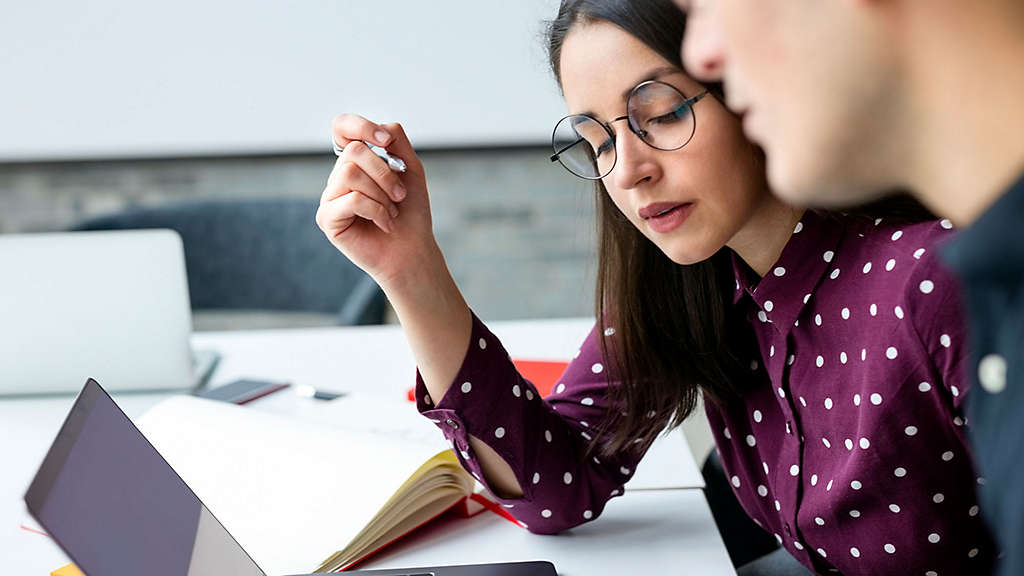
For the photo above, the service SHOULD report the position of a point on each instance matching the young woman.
(827, 346)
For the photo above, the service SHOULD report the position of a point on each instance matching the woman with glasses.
(826, 346)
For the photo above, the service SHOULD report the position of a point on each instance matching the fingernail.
(382, 137)
(393, 211)
(400, 192)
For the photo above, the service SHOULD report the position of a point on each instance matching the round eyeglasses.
(658, 113)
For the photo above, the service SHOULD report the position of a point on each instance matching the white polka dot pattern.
(860, 438)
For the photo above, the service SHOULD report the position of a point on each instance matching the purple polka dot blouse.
(850, 446)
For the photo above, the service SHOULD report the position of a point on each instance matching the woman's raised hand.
(378, 218)
(381, 220)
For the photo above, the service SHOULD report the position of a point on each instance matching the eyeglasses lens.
(661, 116)
(658, 113)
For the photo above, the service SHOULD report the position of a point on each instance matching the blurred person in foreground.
(850, 98)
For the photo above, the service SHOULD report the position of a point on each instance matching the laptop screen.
(117, 507)
(115, 303)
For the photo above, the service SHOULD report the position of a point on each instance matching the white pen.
(394, 162)
(307, 391)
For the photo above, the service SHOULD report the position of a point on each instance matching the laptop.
(117, 508)
(111, 304)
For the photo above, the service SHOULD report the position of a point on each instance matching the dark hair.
(676, 330)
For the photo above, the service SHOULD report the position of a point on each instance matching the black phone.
(243, 391)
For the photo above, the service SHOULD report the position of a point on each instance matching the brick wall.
(517, 231)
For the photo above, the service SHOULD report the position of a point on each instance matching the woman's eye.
(673, 116)
(605, 147)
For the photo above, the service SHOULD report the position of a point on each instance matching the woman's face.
(709, 188)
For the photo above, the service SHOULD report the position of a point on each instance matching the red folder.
(543, 373)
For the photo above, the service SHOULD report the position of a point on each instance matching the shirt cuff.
(486, 390)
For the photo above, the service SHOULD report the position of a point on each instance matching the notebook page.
(290, 492)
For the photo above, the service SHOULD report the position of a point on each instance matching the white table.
(644, 533)
(662, 523)
(375, 361)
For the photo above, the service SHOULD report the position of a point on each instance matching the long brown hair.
(677, 333)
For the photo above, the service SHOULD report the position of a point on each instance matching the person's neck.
(761, 240)
(966, 97)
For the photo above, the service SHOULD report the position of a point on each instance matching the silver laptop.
(111, 304)
(117, 508)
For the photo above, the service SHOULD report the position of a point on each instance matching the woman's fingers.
(350, 131)
(377, 169)
(401, 146)
(358, 156)
(348, 128)
(361, 185)
(338, 215)
(348, 177)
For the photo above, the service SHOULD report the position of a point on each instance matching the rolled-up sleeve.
(544, 440)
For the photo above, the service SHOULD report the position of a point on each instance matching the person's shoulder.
(896, 257)
(928, 233)
(893, 245)
(913, 261)
(890, 231)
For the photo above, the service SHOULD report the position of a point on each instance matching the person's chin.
(686, 255)
(786, 173)
(808, 188)
(794, 184)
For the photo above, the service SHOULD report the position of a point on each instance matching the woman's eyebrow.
(651, 75)
(654, 74)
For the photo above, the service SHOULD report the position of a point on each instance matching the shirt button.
(992, 373)
(789, 429)
(788, 531)
(452, 423)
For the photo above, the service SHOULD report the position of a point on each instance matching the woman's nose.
(635, 164)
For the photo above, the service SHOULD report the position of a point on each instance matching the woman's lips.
(663, 218)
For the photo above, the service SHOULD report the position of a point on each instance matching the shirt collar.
(782, 294)
(992, 247)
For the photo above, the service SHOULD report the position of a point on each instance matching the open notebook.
(302, 496)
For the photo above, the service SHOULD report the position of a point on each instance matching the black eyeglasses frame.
(640, 133)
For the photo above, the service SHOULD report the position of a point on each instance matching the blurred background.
(116, 107)
(214, 118)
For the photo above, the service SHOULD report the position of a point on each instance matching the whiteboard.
(96, 79)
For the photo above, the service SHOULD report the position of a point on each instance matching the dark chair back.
(260, 255)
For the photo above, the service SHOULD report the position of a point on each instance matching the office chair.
(744, 540)
(265, 255)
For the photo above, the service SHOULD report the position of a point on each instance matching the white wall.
(90, 79)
